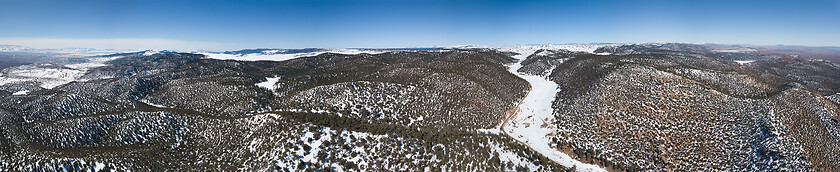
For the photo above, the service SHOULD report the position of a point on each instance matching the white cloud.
(130, 43)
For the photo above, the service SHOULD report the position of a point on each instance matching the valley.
(617, 107)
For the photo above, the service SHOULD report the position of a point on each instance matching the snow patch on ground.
(9, 80)
(545, 53)
(508, 156)
(313, 141)
(413, 120)
(23, 92)
(269, 83)
(99, 166)
(490, 131)
(533, 121)
(153, 104)
(92, 63)
(744, 61)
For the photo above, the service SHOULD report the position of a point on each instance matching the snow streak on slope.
(272, 55)
(533, 121)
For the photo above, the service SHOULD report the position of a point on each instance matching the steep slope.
(676, 107)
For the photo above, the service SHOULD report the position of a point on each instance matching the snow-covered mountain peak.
(151, 52)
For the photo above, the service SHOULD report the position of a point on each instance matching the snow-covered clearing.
(269, 83)
(533, 120)
(744, 61)
(23, 92)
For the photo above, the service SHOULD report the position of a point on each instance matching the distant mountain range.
(808, 52)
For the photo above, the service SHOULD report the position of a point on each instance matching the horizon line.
(141, 44)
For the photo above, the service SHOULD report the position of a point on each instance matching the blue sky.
(217, 25)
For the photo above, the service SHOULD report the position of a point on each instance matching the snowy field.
(533, 121)
(269, 83)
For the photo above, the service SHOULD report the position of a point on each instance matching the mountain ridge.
(633, 107)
